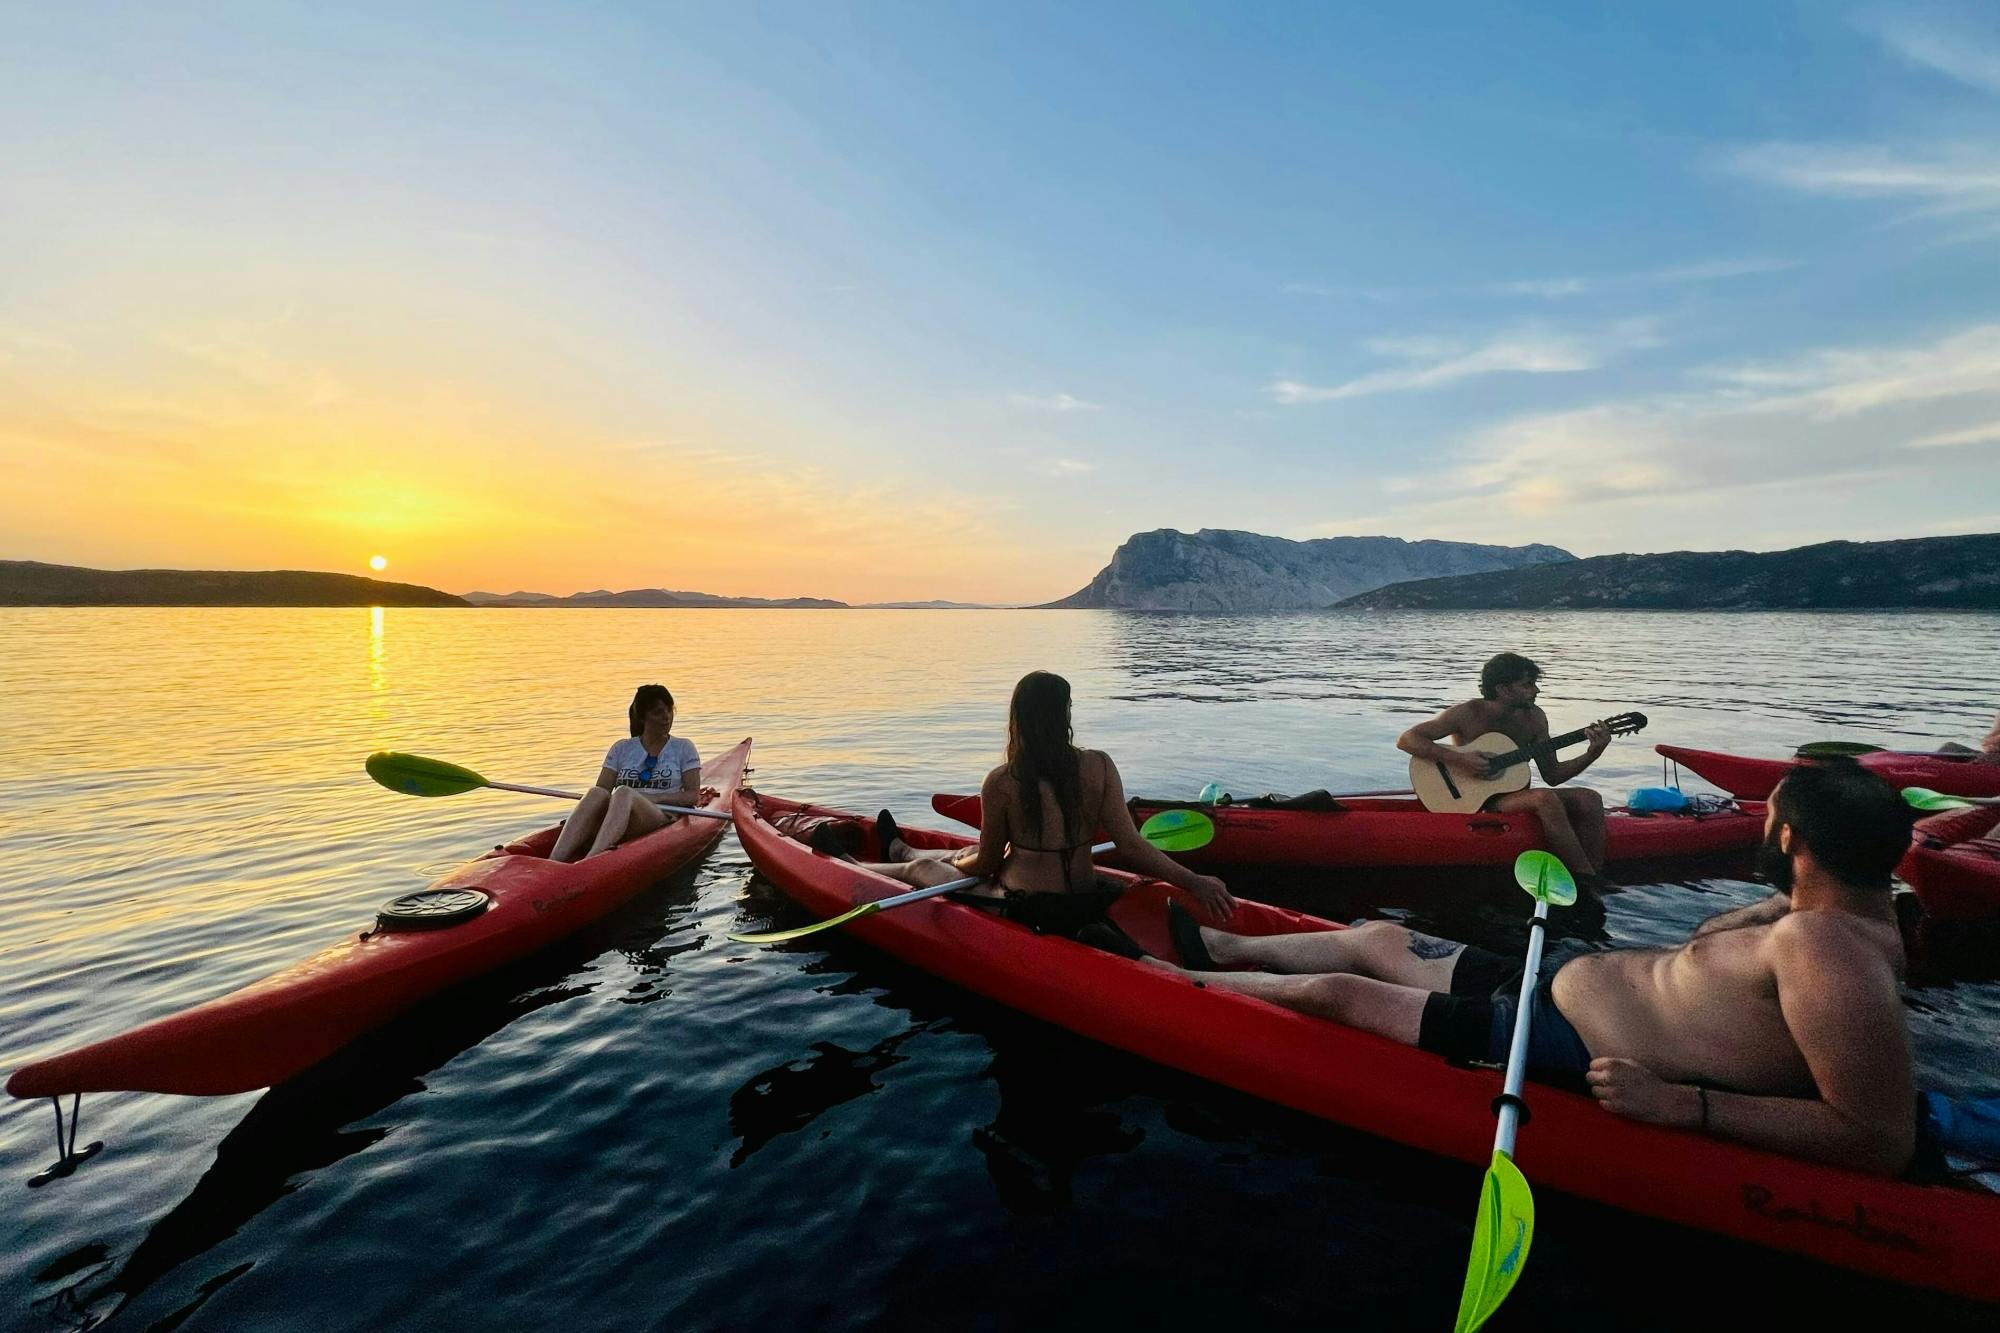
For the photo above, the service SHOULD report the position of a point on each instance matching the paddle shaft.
(1517, 1053)
(573, 796)
(536, 791)
(1334, 795)
(914, 895)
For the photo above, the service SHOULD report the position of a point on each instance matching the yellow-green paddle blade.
(776, 936)
(1923, 798)
(1545, 878)
(414, 775)
(1499, 1242)
(1178, 830)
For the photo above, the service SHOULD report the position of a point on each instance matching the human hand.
(1630, 1089)
(1213, 896)
(1599, 737)
(1471, 763)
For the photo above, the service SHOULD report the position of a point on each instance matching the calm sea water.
(649, 1127)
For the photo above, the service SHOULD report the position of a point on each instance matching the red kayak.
(275, 1028)
(1752, 779)
(1926, 1235)
(1954, 863)
(1381, 832)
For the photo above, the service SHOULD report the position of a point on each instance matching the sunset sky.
(927, 300)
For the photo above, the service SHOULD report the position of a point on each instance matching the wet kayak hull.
(1929, 1236)
(1375, 833)
(1753, 779)
(1954, 864)
(276, 1028)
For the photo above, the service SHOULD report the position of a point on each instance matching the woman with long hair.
(1039, 811)
(650, 768)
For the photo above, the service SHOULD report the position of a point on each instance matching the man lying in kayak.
(1034, 850)
(1780, 1024)
(1572, 820)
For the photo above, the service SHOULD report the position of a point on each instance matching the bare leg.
(1545, 805)
(1586, 815)
(582, 825)
(911, 856)
(1380, 1007)
(1379, 949)
(629, 816)
(922, 873)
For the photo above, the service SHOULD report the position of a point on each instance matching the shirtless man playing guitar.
(1573, 820)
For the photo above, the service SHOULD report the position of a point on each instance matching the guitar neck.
(1535, 748)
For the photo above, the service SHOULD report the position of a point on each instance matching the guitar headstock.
(1624, 724)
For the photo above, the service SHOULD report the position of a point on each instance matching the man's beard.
(1774, 864)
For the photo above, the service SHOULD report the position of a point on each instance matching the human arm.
(1421, 742)
(688, 794)
(648, 772)
(984, 858)
(1756, 914)
(1555, 772)
(1115, 817)
(1842, 1006)
(607, 778)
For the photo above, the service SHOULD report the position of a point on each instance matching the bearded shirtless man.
(1780, 1024)
(1572, 820)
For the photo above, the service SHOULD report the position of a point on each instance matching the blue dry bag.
(1657, 800)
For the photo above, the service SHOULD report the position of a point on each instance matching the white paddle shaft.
(573, 796)
(1517, 1053)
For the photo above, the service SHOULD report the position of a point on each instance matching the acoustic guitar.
(1443, 788)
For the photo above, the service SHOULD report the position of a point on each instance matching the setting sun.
(378, 563)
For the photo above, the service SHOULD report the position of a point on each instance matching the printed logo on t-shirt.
(635, 768)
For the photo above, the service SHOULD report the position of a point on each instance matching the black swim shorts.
(1474, 1021)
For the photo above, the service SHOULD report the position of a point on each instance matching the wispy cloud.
(27, 344)
(1987, 434)
(1735, 453)
(1067, 467)
(1839, 382)
(1434, 363)
(1054, 402)
(1560, 286)
(1713, 270)
(1952, 54)
(243, 351)
(1338, 292)
(1955, 177)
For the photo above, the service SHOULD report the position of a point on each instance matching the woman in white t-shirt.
(650, 768)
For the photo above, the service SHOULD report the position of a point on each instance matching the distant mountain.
(1956, 573)
(507, 598)
(932, 606)
(649, 597)
(1220, 570)
(32, 583)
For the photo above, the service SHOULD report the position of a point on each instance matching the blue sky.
(943, 300)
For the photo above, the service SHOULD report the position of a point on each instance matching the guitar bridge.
(1449, 785)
